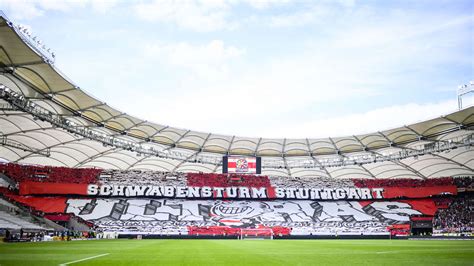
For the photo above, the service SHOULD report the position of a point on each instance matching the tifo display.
(237, 205)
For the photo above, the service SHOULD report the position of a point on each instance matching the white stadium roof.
(29, 72)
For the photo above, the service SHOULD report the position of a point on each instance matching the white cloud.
(309, 13)
(21, 9)
(388, 33)
(312, 14)
(205, 15)
(28, 9)
(102, 6)
(264, 4)
(367, 122)
(296, 19)
(208, 61)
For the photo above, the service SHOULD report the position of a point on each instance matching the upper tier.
(64, 97)
(37, 173)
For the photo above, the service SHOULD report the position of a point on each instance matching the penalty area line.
(88, 258)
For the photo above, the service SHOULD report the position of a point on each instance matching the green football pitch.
(238, 252)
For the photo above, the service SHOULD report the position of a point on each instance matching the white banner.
(236, 192)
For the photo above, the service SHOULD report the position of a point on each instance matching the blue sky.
(270, 68)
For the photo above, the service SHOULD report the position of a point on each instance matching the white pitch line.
(89, 258)
(387, 252)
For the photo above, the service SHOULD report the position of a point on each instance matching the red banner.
(36, 188)
(425, 206)
(58, 217)
(399, 229)
(418, 192)
(233, 231)
(46, 205)
(237, 192)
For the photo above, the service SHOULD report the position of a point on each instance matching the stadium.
(84, 183)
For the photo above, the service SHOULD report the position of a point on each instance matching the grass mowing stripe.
(89, 258)
(236, 252)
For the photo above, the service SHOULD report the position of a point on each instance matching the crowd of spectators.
(158, 178)
(137, 177)
(464, 182)
(21, 173)
(458, 217)
(403, 182)
(310, 182)
(442, 203)
(224, 180)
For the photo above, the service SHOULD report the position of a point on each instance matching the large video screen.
(241, 165)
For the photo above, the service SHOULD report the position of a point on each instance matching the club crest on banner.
(242, 166)
(238, 213)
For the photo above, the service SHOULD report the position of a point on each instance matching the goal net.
(266, 233)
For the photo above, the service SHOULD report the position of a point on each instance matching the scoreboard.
(241, 165)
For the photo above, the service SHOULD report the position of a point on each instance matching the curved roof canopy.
(30, 73)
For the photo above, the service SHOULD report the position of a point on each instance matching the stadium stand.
(400, 182)
(11, 221)
(223, 180)
(310, 182)
(14, 218)
(457, 218)
(226, 218)
(38, 173)
(6, 205)
(70, 158)
(466, 182)
(137, 177)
